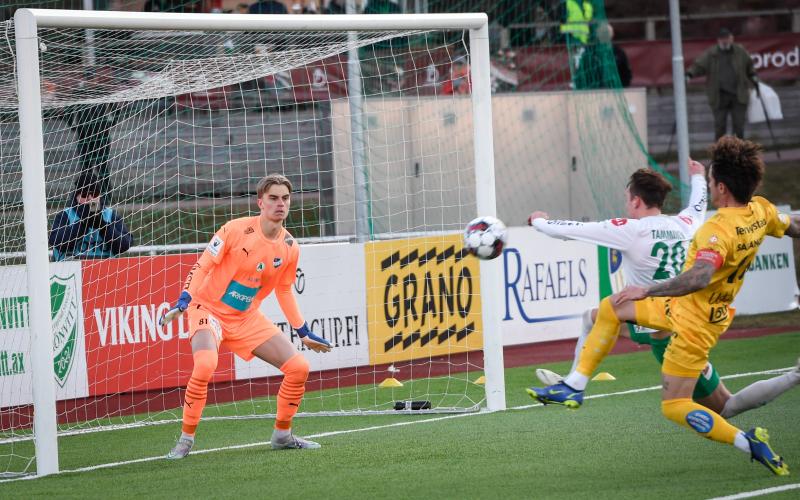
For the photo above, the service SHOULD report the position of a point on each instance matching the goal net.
(178, 126)
(376, 131)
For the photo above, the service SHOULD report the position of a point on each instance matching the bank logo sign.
(423, 299)
(64, 315)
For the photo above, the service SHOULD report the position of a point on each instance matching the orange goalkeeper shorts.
(241, 337)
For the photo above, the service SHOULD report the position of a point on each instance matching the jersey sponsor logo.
(276, 262)
(239, 296)
(687, 220)
(619, 222)
(718, 314)
(720, 298)
(260, 267)
(700, 420)
(742, 247)
(751, 228)
(215, 247)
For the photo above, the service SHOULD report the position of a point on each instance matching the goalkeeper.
(245, 261)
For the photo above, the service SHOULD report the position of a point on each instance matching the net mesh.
(180, 126)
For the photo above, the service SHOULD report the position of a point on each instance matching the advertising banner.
(547, 285)
(127, 350)
(775, 57)
(329, 288)
(423, 298)
(770, 284)
(69, 356)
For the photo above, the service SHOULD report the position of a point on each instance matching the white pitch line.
(758, 493)
(365, 429)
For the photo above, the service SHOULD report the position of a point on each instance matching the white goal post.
(28, 21)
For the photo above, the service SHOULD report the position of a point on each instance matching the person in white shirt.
(653, 246)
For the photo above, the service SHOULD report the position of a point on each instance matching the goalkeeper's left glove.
(180, 306)
(311, 340)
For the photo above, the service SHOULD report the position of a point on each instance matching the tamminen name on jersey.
(666, 234)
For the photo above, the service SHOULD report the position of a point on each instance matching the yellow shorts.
(687, 352)
(240, 337)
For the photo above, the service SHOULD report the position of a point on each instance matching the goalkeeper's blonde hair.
(271, 180)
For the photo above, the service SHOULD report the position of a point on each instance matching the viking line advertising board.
(423, 298)
(127, 350)
(69, 358)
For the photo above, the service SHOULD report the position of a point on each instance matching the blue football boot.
(760, 450)
(558, 394)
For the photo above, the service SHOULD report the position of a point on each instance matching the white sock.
(759, 393)
(187, 436)
(281, 433)
(741, 442)
(577, 381)
(586, 327)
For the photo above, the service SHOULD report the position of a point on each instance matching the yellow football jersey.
(730, 240)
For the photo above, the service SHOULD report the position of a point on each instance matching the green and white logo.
(64, 314)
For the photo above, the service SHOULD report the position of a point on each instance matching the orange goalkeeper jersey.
(240, 267)
(730, 241)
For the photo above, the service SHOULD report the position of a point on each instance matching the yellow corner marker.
(604, 376)
(480, 380)
(391, 382)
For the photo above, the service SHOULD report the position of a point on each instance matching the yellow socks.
(702, 420)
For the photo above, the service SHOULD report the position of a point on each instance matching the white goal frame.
(27, 22)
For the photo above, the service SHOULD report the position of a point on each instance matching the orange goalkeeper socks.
(295, 374)
(702, 420)
(205, 362)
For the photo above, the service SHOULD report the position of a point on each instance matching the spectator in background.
(242, 8)
(596, 71)
(729, 72)
(268, 7)
(88, 229)
(576, 28)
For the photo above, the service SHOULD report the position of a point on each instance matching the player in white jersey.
(653, 248)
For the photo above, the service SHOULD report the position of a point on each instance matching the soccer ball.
(485, 237)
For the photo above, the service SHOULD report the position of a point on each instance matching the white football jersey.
(653, 248)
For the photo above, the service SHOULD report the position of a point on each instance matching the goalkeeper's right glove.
(177, 309)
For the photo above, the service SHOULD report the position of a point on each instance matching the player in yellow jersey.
(696, 304)
(246, 260)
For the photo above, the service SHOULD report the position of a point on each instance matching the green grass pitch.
(613, 447)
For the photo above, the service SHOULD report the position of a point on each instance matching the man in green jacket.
(729, 72)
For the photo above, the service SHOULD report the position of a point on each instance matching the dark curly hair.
(737, 163)
(650, 186)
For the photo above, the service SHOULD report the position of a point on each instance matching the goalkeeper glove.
(311, 340)
(177, 309)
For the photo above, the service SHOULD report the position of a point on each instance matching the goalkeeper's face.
(274, 203)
